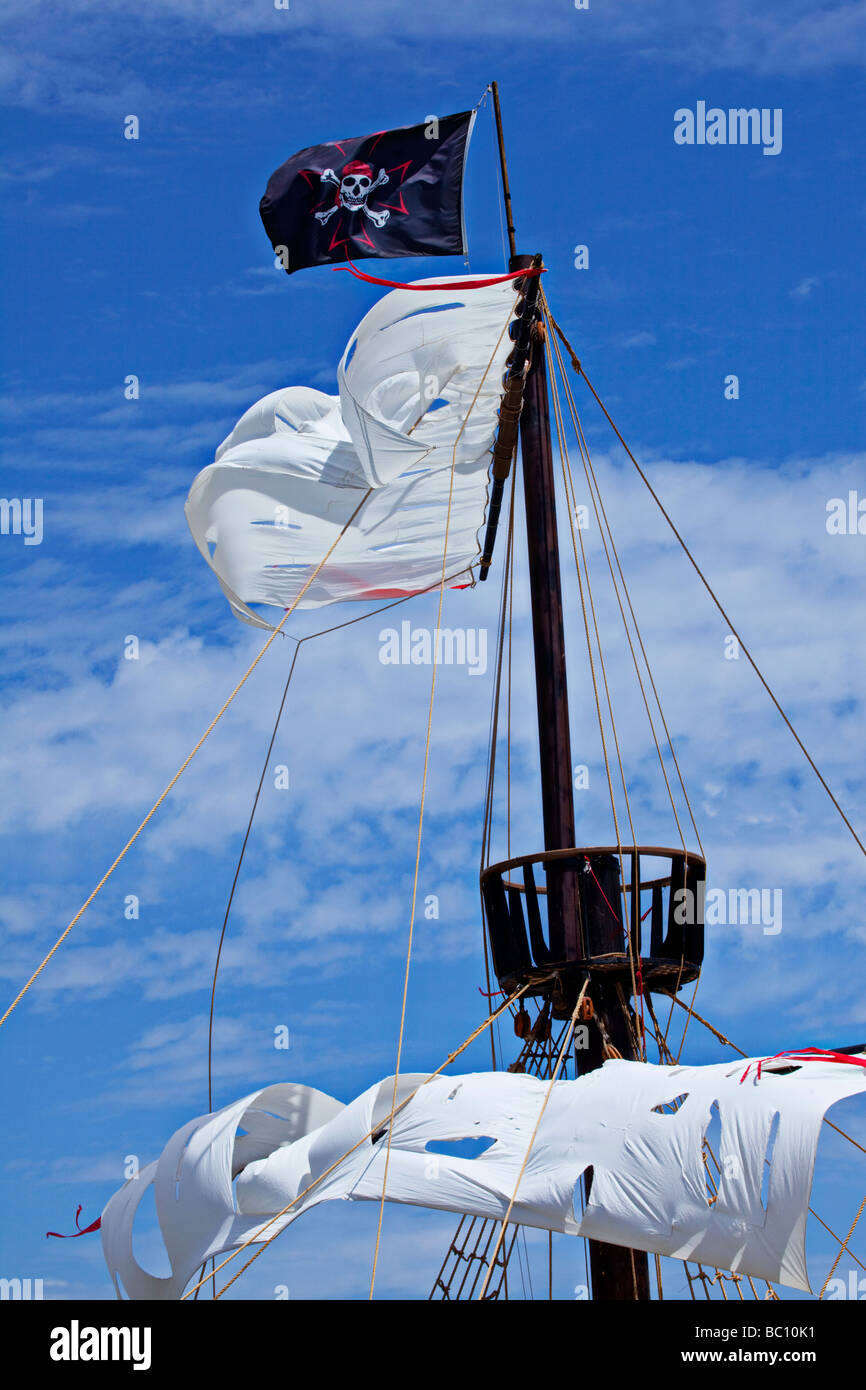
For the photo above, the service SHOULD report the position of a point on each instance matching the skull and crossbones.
(353, 189)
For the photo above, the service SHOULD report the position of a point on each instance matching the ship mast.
(617, 1273)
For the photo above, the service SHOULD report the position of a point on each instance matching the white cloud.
(320, 921)
(106, 737)
(75, 65)
(639, 339)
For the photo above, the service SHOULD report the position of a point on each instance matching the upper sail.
(420, 383)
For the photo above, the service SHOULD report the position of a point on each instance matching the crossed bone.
(377, 218)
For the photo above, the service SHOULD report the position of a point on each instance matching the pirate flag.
(397, 193)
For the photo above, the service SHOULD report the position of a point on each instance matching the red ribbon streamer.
(446, 284)
(86, 1231)
(807, 1054)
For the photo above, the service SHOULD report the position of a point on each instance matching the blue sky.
(148, 257)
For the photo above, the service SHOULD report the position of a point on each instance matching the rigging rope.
(187, 760)
(237, 876)
(487, 820)
(727, 1042)
(606, 533)
(509, 683)
(323, 632)
(579, 370)
(575, 536)
(563, 451)
(421, 807)
(536, 1057)
(541, 1111)
(387, 1120)
(843, 1246)
(689, 1014)
(310, 637)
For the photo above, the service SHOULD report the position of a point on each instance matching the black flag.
(397, 193)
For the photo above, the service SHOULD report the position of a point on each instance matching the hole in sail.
(429, 309)
(460, 1148)
(711, 1145)
(670, 1107)
(580, 1196)
(351, 352)
(148, 1249)
(768, 1161)
(436, 405)
(256, 1110)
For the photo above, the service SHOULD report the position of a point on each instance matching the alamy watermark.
(23, 1289)
(441, 646)
(854, 1288)
(737, 126)
(734, 907)
(846, 517)
(22, 516)
(77, 1343)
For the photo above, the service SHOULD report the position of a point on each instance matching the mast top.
(503, 162)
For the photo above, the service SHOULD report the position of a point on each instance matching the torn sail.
(648, 1189)
(419, 388)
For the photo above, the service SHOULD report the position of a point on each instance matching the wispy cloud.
(75, 66)
(107, 736)
(639, 339)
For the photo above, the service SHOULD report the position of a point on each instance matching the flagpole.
(503, 164)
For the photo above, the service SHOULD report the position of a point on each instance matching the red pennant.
(86, 1231)
(445, 284)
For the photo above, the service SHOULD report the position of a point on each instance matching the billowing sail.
(419, 389)
(640, 1127)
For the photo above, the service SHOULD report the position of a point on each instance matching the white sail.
(648, 1190)
(419, 389)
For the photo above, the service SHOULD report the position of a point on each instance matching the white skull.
(354, 189)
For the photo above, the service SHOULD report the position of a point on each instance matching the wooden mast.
(617, 1273)
(551, 685)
